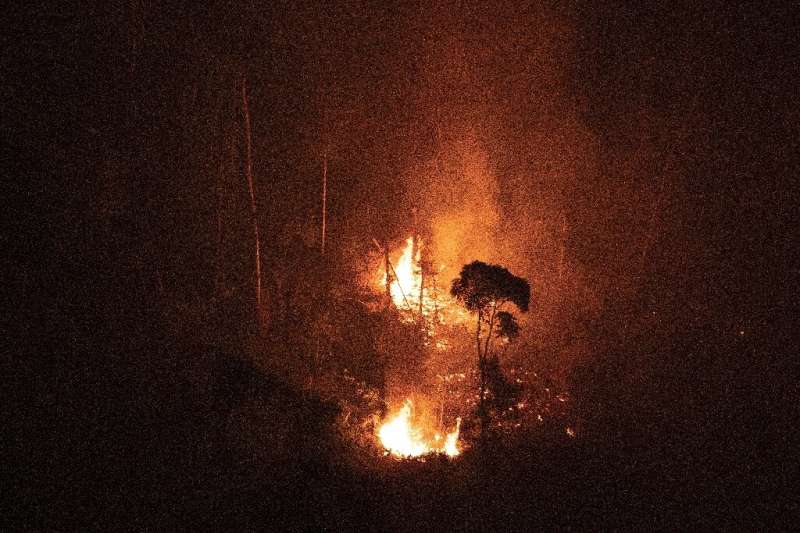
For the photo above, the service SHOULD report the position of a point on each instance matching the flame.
(406, 276)
(415, 292)
(400, 438)
(451, 441)
(407, 287)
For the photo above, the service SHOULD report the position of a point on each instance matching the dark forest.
(400, 266)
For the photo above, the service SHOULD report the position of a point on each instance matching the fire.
(414, 291)
(451, 441)
(409, 284)
(406, 277)
(402, 439)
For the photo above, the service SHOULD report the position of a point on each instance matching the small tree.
(485, 289)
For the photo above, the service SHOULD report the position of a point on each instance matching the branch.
(491, 327)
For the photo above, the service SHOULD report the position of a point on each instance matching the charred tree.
(261, 314)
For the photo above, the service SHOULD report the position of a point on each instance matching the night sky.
(636, 163)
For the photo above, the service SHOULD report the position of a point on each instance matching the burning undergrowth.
(431, 395)
(426, 404)
(404, 436)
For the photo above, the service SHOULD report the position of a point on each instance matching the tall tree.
(260, 306)
(485, 290)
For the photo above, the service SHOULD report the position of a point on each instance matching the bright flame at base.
(400, 438)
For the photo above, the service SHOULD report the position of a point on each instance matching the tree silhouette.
(485, 289)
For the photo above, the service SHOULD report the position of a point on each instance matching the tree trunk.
(435, 301)
(489, 336)
(421, 285)
(324, 199)
(562, 251)
(260, 310)
(387, 266)
(478, 336)
(482, 383)
(218, 275)
(483, 413)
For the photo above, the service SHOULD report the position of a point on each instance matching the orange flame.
(402, 439)
(406, 279)
(407, 288)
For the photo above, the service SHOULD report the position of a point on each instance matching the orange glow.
(400, 437)
(407, 280)
(405, 286)
(413, 291)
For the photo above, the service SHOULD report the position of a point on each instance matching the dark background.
(115, 125)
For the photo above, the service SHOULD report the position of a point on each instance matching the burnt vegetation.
(183, 352)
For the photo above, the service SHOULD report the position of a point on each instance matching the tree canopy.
(485, 289)
(481, 284)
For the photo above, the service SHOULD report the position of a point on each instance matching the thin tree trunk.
(478, 337)
(400, 288)
(562, 251)
(414, 235)
(421, 284)
(387, 266)
(489, 336)
(218, 277)
(260, 311)
(435, 302)
(324, 199)
(482, 382)
(482, 412)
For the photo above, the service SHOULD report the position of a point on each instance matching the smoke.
(461, 202)
(507, 146)
(524, 164)
(514, 149)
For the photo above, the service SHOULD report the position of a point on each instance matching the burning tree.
(485, 289)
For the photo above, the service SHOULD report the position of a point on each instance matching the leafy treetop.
(480, 285)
